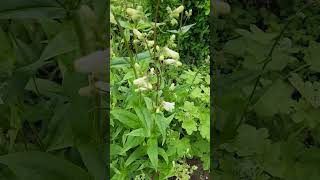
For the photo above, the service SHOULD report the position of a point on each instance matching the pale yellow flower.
(171, 53)
(175, 13)
(137, 33)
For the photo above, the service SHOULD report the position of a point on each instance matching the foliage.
(46, 129)
(274, 134)
(159, 106)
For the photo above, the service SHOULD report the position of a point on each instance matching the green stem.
(132, 61)
(155, 50)
(181, 24)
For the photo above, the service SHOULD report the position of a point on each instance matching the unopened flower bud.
(177, 11)
(171, 53)
(132, 12)
(172, 37)
(137, 33)
(150, 43)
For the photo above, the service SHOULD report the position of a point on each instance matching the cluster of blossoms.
(136, 14)
(170, 57)
(174, 14)
(143, 84)
(165, 55)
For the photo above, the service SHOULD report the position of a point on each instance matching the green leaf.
(145, 117)
(67, 38)
(277, 99)
(185, 29)
(249, 141)
(312, 56)
(132, 142)
(39, 165)
(152, 151)
(43, 86)
(308, 90)
(204, 127)
(162, 125)
(189, 125)
(139, 152)
(163, 153)
(7, 174)
(20, 9)
(94, 158)
(59, 132)
(138, 132)
(126, 118)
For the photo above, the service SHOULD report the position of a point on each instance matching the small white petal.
(169, 61)
(168, 106)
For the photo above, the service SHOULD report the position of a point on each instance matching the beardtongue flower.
(133, 13)
(96, 62)
(168, 106)
(175, 13)
(171, 53)
(150, 43)
(142, 83)
(137, 33)
(172, 62)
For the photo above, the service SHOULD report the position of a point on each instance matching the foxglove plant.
(147, 84)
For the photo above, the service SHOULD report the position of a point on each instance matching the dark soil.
(198, 174)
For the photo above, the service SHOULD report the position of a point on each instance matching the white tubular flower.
(171, 53)
(188, 13)
(150, 43)
(142, 83)
(152, 71)
(172, 62)
(169, 61)
(178, 63)
(136, 41)
(133, 13)
(157, 48)
(172, 37)
(168, 106)
(175, 13)
(138, 33)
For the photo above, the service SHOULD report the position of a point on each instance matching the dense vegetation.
(160, 115)
(267, 91)
(47, 130)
